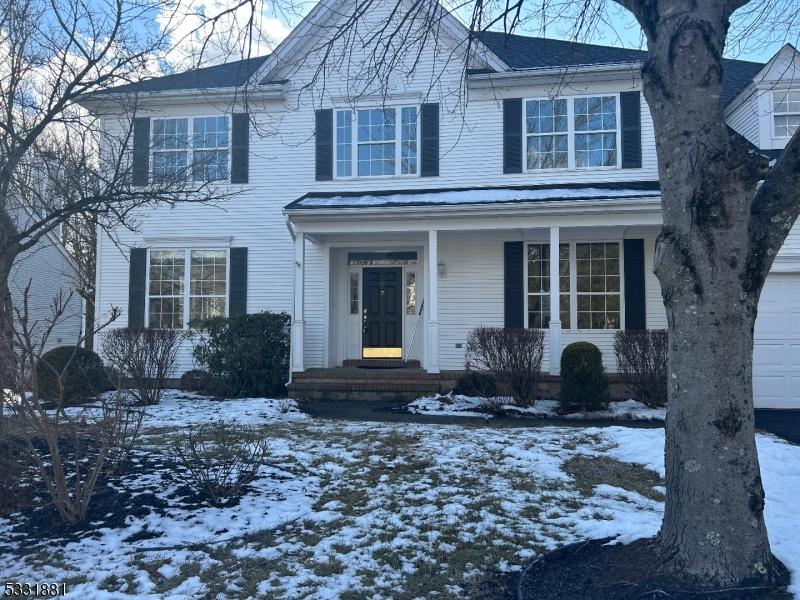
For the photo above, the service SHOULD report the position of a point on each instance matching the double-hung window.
(198, 148)
(598, 283)
(546, 126)
(171, 303)
(589, 285)
(377, 142)
(786, 112)
(563, 133)
(539, 285)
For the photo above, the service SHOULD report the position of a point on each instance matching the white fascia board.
(579, 213)
(612, 71)
(172, 97)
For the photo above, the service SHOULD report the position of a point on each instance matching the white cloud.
(210, 32)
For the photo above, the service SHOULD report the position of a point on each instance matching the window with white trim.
(198, 148)
(575, 133)
(171, 303)
(547, 130)
(539, 286)
(210, 148)
(380, 142)
(597, 266)
(786, 112)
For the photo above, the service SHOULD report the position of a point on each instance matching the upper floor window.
(171, 303)
(379, 141)
(575, 133)
(786, 112)
(205, 139)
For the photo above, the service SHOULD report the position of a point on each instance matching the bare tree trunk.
(713, 529)
(88, 321)
(7, 357)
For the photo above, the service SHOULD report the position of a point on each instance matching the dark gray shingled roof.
(523, 52)
(230, 74)
(518, 51)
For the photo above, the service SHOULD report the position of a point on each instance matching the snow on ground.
(469, 406)
(377, 510)
(179, 409)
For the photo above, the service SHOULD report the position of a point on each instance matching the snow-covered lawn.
(371, 510)
(469, 406)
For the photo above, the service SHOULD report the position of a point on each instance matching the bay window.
(786, 112)
(590, 285)
(171, 303)
(579, 133)
(379, 141)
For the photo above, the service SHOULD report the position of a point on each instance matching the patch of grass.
(119, 583)
(591, 471)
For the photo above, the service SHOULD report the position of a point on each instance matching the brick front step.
(381, 363)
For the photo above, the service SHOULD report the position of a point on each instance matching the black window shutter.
(512, 279)
(240, 148)
(429, 121)
(512, 135)
(238, 281)
(137, 286)
(633, 258)
(631, 130)
(141, 151)
(324, 137)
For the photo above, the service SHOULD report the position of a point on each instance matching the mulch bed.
(593, 571)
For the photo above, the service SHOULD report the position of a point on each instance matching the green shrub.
(195, 380)
(71, 375)
(246, 355)
(584, 383)
(476, 383)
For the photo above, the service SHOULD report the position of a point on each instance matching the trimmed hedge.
(84, 375)
(584, 383)
(246, 355)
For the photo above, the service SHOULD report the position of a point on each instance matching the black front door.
(382, 318)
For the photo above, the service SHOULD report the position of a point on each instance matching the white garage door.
(776, 356)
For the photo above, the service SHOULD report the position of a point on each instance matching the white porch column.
(298, 323)
(433, 302)
(555, 314)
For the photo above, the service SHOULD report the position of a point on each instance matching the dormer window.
(380, 142)
(786, 112)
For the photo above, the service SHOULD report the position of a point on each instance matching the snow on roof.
(477, 196)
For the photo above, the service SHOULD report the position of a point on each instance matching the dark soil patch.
(592, 571)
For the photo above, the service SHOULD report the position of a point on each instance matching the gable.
(407, 27)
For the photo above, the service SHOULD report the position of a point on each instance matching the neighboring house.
(533, 184)
(49, 274)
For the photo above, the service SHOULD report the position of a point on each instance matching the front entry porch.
(397, 286)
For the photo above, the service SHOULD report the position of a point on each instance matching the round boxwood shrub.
(476, 383)
(584, 383)
(83, 372)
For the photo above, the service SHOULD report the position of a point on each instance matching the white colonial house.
(519, 191)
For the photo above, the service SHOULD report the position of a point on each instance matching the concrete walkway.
(783, 423)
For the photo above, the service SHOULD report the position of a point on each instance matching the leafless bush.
(145, 357)
(69, 448)
(642, 358)
(513, 356)
(492, 405)
(221, 457)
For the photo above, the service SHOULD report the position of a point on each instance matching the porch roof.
(474, 196)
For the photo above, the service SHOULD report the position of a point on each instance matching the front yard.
(365, 510)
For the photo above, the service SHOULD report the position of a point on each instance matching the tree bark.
(713, 530)
(7, 357)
